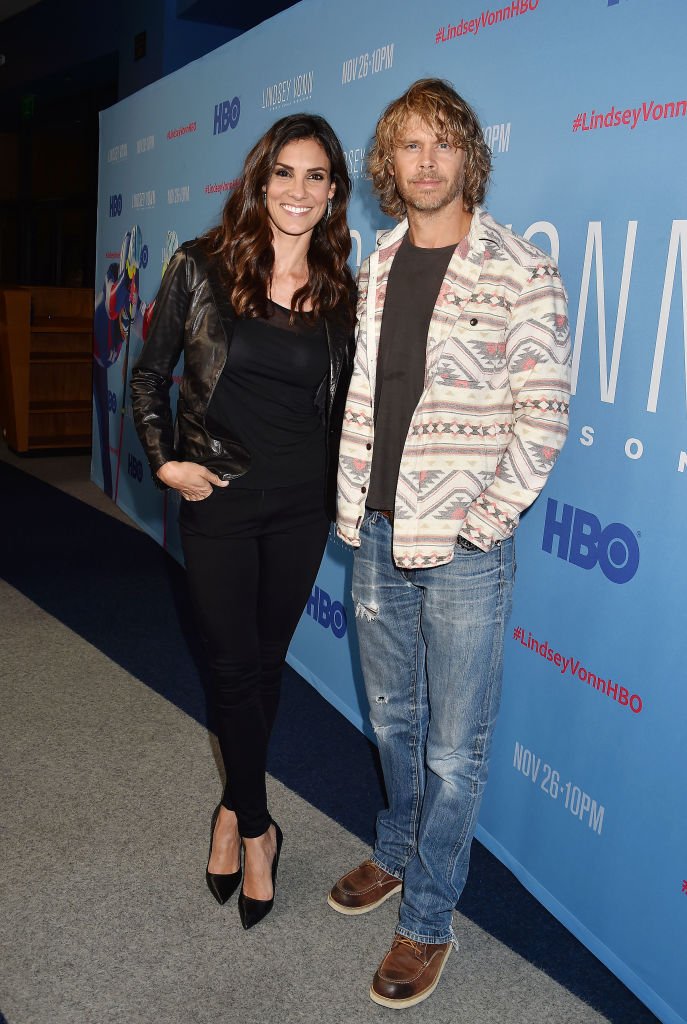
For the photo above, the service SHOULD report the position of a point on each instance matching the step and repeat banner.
(585, 110)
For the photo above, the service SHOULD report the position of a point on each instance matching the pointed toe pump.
(222, 887)
(252, 911)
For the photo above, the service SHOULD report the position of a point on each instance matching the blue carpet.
(121, 592)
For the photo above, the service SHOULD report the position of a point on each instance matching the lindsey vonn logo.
(605, 333)
(288, 91)
(356, 161)
(487, 19)
(143, 200)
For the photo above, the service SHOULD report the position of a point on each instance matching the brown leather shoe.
(409, 972)
(363, 889)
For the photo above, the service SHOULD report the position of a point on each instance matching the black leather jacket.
(193, 315)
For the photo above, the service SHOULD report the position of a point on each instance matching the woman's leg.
(294, 533)
(291, 546)
(249, 588)
(222, 574)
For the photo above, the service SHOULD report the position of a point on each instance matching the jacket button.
(473, 322)
(368, 446)
(363, 489)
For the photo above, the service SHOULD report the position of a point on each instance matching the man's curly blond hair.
(447, 114)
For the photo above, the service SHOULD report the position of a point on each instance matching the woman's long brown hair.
(243, 239)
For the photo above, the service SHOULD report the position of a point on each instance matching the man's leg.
(466, 605)
(387, 608)
(464, 610)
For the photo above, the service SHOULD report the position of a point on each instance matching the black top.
(414, 282)
(265, 398)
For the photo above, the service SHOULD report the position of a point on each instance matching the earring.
(264, 198)
(329, 210)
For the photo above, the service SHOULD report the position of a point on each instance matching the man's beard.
(430, 202)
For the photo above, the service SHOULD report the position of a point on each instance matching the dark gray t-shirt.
(414, 282)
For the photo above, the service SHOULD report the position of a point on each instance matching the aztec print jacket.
(493, 415)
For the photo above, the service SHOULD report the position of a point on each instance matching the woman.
(262, 309)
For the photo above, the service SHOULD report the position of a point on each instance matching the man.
(456, 413)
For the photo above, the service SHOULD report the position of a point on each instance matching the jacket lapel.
(460, 280)
(376, 297)
(220, 295)
(459, 283)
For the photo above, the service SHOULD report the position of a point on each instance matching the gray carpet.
(106, 919)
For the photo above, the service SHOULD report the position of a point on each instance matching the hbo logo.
(583, 541)
(226, 115)
(330, 614)
(135, 468)
(115, 205)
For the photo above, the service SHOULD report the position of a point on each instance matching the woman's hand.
(193, 482)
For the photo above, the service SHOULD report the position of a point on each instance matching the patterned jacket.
(493, 415)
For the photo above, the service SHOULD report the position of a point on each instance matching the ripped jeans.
(431, 647)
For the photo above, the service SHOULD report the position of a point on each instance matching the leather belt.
(467, 545)
(388, 514)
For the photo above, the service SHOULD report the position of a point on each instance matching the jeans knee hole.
(366, 612)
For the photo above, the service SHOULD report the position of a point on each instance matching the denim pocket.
(370, 517)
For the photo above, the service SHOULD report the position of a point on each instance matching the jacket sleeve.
(151, 377)
(357, 423)
(538, 359)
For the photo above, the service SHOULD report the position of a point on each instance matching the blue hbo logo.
(227, 115)
(330, 614)
(116, 205)
(582, 541)
(135, 468)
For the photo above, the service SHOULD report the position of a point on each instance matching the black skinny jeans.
(251, 561)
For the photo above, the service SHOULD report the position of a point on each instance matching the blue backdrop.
(585, 108)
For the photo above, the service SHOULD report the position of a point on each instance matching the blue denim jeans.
(431, 647)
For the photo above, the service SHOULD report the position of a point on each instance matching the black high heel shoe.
(252, 911)
(221, 886)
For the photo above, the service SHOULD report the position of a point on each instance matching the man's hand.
(193, 482)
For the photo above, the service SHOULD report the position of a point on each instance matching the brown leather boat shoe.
(409, 972)
(363, 889)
